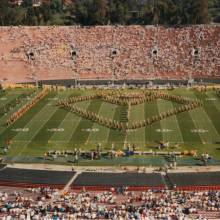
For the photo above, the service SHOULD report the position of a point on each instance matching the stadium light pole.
(33, 75)
(75, 77)
(36, 82)
(113, 76)
(74, 66)
(33, 78)
(74, 69)
(113, 70)
(75, 81)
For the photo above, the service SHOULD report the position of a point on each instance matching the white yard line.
(35, 133)
(178, 126)
(207, 119)
(107, 136)
(35, 118)
(195, 125)
(215, 102)
(160, 121)
(77, 121)
(173, 119)
(38, 128)
(94, 123)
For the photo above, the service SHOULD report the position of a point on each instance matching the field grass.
(48, 127)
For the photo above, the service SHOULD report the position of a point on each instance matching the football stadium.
(106, 115)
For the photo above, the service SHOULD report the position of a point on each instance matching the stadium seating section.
(109, 52)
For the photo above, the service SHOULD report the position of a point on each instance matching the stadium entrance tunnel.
(73, 53)
(114, 52)
(196, 52)
(155, 52)
(30, 55)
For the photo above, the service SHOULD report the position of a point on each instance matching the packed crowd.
(44, 203)
(110, 52)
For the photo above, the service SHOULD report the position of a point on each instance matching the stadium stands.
(43, 203)
(109, 52)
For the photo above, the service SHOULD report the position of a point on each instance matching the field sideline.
(47, 127)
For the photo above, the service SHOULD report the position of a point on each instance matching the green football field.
(46, 126)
